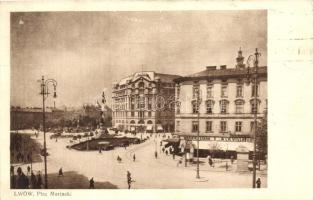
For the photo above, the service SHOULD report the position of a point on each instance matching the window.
(177, 108)
(239, 90)
(252, 126)
(224, 106)
(149, 114)
(149, 103)
(209, 126)
(223, 127)
(209, 90)
(141, 114)
(238, 126)
(177, 126)
(224, 91)
(209, 107)
(178, 91)
(239, 106)
(132, 114)
(255, 90)
(195, 91)
(254, 107)
(195, 126)
(195, 107)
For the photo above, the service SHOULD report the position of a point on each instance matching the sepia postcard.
(186, 100)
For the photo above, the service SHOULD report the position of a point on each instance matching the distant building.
(140, 102)
(227, 102)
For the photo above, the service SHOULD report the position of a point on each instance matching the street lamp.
(198, 101)
(45, 93)
(254, 76)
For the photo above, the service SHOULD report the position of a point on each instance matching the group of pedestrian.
(22, 181)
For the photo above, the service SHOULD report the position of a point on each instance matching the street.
(146, 171)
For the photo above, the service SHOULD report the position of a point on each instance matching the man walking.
(258, 183)
(129, 179)
(134, 157)
(91, 183)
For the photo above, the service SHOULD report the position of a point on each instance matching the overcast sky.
(87, 51)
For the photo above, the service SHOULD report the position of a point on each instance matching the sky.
(86, 51)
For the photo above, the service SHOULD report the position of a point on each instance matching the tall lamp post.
(45, 93)
(254, 76)
(199, 100)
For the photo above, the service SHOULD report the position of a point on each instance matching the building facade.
(139, 102)
(226, 101)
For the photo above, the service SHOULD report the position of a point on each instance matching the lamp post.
(45, 93)
(199, 99)
(254, 75)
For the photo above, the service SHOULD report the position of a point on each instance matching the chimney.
(209, 68)
(223, 67)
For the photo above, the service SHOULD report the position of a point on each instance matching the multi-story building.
(227, 102)
(140, 102)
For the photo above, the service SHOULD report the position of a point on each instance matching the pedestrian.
(91, 183)
(173, 155)
(163, 149)
(258, 183)
(166, 152)
(33, 180)
(134, 157)
(232, 159)
(39, 180)
(211, 162)
(156, 154)
(100, 150)
(179, 162)
(119, 159)
(60, 172)
(226, 166)
(161, 143)
(129, 179)
(28, 170)
(22, 181)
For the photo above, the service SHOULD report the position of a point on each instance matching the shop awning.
(224, 146)
(159, 127)
(149, 128)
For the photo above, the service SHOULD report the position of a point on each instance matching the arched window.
(132, 122)
(149, 122)
(255, 105)
(209, 106)
(141, 85)
(224, 106)
(239, 106)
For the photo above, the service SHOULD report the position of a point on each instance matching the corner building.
(226, 102)
(139, 102)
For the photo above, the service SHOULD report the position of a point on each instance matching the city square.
(104, 108)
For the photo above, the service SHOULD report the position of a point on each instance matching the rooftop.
(211, 73)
